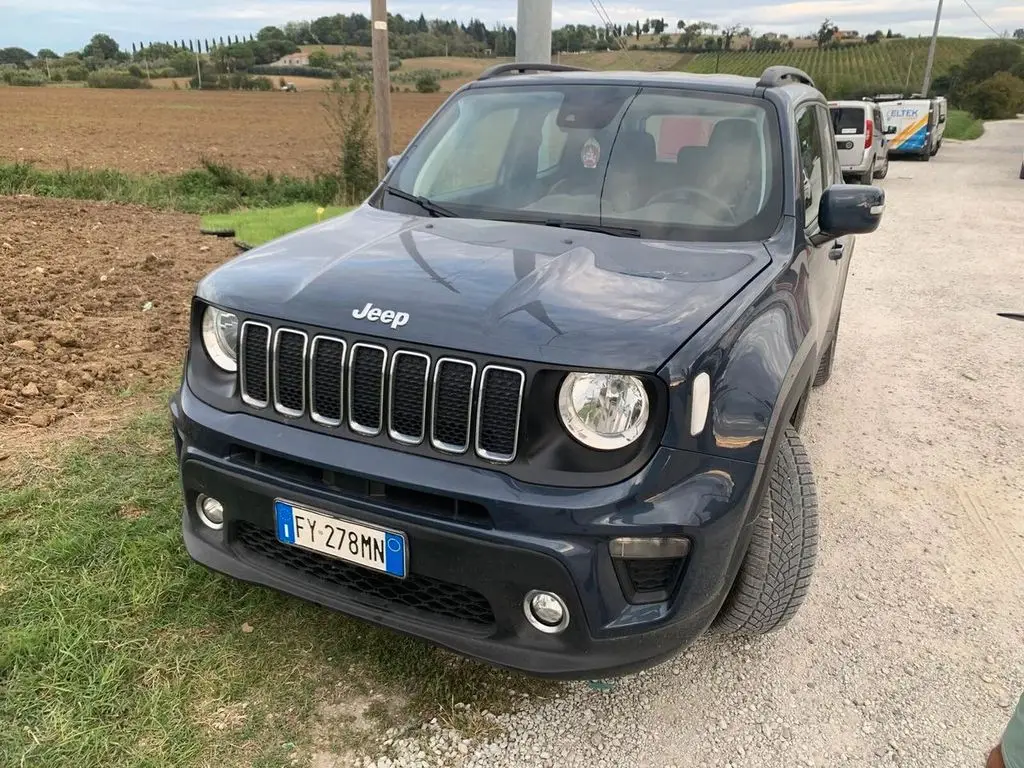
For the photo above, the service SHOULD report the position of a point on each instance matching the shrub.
(350, 119)
(999, 97)
(237, 81)
(76, 74)
(267, 69)
(112, 78)
(175, 86)
(24, 77)
(56, 76)
(427, 82)
(136, 71)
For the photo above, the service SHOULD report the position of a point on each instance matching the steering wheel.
(681, 193)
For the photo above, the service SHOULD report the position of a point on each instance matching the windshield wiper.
(605, 229)
(425, 203)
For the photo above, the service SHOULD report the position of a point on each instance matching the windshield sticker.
(591, 153)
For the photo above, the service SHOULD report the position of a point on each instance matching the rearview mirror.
(850, 209)
(393, 161)
(890, 129)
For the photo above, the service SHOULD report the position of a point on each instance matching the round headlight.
(220, 338)
(603, 410)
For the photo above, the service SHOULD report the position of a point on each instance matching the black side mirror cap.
(393, 161)
(850, 209)
(890, 130)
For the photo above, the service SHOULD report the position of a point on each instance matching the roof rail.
(773, 77)
(522, 68)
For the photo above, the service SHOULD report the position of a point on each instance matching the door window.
(811, 161)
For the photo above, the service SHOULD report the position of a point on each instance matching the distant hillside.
(883, 66)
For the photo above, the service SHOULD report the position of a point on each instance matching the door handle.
(836, 251)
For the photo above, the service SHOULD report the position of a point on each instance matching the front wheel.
(776, 572)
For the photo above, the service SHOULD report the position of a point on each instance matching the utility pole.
(533, 32)
(931, 53)
(381, 82)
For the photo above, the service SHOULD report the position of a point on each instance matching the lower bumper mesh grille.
(419, 593)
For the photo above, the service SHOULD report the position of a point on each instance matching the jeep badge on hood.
(387, 316)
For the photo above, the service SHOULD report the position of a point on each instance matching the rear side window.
(847, 120)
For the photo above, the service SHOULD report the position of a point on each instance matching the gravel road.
(910, 649)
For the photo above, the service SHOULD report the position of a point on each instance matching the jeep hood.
(521, 291)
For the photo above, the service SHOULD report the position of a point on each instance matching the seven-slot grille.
(407, 394)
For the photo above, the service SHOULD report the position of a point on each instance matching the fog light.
(210, 511)
(546, 611)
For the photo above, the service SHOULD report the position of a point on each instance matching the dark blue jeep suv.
(537, 400)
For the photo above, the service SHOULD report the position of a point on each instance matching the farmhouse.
(298, 59)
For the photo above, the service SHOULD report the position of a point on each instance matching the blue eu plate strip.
(285, 522)
(394, 554)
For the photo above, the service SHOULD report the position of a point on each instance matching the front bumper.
(468, 575)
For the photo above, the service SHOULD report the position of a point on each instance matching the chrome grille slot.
(366, 388)
(326, 377)
(452, 405)
(407, 403)
(497, 414)
(254, 365)
(290, 372)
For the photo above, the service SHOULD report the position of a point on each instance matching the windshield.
(659, 163)
(847, 120)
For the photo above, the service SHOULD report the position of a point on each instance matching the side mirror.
(890, 129)
(850, 209)
(393, 161)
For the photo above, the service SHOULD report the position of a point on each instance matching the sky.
(66, 25)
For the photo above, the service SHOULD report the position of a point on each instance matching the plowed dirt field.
(159, 131)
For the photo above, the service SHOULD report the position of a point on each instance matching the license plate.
(344, 539)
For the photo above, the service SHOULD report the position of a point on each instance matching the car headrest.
(732, 133)
(635, 148)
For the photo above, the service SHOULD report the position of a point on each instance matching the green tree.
(319, 58)
(826, 32)
(46, 53)
(270, 33)
(988, 59)
(664, 40)
(680, 25)
(102, 47)
(16, 56)
(999, 97)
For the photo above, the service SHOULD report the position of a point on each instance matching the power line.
(981, 19)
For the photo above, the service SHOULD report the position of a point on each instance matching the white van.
(912, 126)
(860, 140)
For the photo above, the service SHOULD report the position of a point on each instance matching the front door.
(826, 260)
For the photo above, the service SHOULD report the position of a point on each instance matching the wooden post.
(381, 82)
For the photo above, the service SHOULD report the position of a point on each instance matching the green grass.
(963, 125)
(212, 188)
(117, 650)
(256, 226)
(838, 72)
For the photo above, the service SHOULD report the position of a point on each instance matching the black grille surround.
(360, 387)
(433, 598)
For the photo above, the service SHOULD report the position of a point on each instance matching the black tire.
(885, 170)
(776, 572)
(925, 156)
(1022, 170)
(864, 178)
